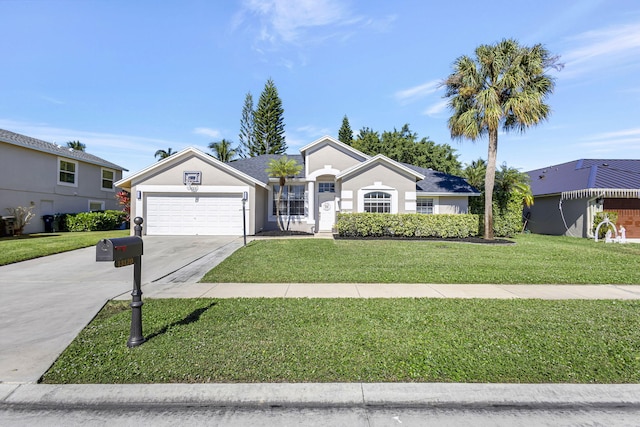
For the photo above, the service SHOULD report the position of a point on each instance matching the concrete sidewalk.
(372, 290)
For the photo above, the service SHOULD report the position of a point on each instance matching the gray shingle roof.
(440, 182)
(47, 147)
(584, 174)
(256, 166)
(434, 182)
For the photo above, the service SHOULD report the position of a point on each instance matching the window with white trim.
(67, 172)
(326, 187)
(96, 205)
(108, 176)
(292, 202)
(377, 202)
(424, 206)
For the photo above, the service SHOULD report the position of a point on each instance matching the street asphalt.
(48, 301)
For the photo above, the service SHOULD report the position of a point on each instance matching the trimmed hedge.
(407, 225)
(95, 221)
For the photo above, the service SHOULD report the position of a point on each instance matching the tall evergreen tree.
(268, 122)
(247, 146)
(345, 134)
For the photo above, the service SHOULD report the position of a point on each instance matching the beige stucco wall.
(453, 205)
(328, 154)
(30, 177)
(378, 176)
(168, 180)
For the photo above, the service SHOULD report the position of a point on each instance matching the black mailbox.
(122, 250)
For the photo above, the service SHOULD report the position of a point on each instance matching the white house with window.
(335, 178)
(53, 179)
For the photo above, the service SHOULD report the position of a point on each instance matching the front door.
(326, 212)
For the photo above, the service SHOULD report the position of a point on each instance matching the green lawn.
(359, 340)
(16, 249)
(534, 259)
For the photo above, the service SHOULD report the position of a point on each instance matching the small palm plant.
(282, 168)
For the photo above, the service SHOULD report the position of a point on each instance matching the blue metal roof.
(584, 174)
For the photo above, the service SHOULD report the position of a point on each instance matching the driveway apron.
(47, 301)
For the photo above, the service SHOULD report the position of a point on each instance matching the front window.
(108, 176)
(292, 202)
(424, 206)
(326, 187)
(67, 171)
(377, 202)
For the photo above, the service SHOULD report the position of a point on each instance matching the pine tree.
(247, 146)
(345, 134)
(268, 125)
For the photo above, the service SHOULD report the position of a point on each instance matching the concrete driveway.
(47, 301)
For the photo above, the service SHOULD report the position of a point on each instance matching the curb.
(325, 395)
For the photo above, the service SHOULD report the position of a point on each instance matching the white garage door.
(187, 215)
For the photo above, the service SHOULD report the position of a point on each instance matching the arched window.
(377, 202)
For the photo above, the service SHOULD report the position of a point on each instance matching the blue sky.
(127, 78)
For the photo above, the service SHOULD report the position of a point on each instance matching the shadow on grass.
(192, 317)
(28, 236)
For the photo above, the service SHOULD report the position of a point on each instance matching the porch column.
(311, 198)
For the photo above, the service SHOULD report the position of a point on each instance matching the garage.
(194, 214)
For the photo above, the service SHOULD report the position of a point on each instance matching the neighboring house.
(567, 196)
(53, 179)
(193, 193)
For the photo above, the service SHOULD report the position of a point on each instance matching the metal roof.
(48, 147)
(585, 174)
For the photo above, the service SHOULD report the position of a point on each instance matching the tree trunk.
(489, 181)
(278, 202)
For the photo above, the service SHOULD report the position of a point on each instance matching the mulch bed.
(475, 239)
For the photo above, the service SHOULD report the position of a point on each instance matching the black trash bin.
(48, 223)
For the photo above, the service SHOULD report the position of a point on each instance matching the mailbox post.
(128, 251)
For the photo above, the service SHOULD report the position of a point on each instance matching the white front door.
(326, 212)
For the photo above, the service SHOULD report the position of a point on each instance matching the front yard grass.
(359, 340)
(534, 259)
(29, 246)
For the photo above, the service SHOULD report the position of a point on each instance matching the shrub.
(95, 221)
(598, 218)
(406, 225)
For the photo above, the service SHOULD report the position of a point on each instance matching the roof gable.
(339, 144)
(50, 148)
(170, 161)
(380, 159)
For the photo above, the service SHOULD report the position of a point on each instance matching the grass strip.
(22, 248)
(534, 259)
(360, 340)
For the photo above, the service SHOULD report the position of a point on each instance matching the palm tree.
(504, 86)
(511, 180)
(282, 168)
(76, 145)
(162, 154)
(222, 150)
(474, 173)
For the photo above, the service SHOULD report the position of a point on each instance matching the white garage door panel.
(203, 214)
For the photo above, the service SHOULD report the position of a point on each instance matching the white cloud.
(626, 139)
(286, 20)
(213, 133)
(607, 48)
(436, 109)
(413, 93)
